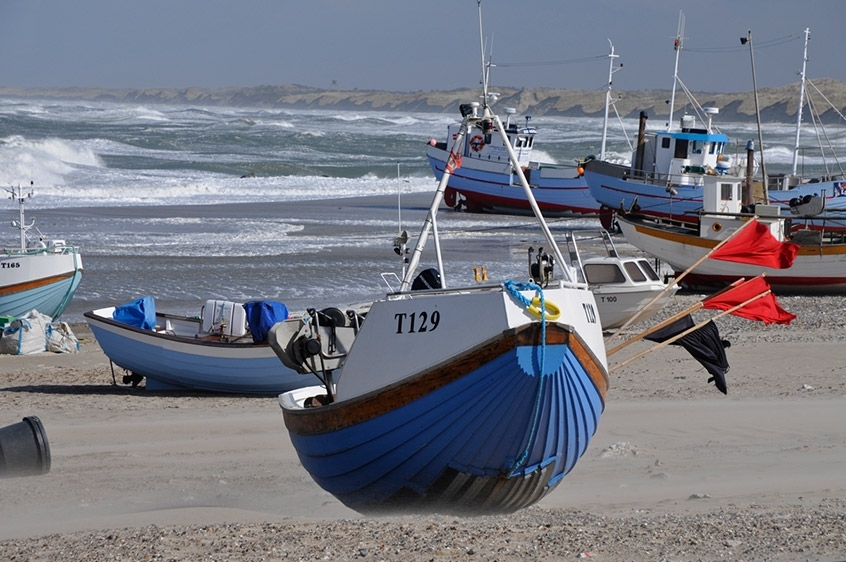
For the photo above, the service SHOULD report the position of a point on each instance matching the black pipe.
(24, 450)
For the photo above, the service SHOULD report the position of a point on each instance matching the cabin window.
(634, 272)
(521, 142)
(712, 147)
(681, 148)
(696, 147)
(603, 273)
(665, 142)
(647, 268)
(726, 191)
(487, 139)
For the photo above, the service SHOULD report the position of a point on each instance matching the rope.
(514, 289)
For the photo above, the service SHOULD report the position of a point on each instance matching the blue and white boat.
(669, 168)
(487, 181)
(214, 351)
(473, 398)
(36, 274)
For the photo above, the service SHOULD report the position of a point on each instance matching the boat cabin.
(484, 143)
(683, 157)
(722, 208)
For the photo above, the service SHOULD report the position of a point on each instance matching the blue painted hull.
(51, 299)
(492, 437)
(178, 363)
(686, 201)
(484, 191)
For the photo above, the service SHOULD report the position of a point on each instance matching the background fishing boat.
(668, 168)
(38, 274)
(487, 181)
(819, 266)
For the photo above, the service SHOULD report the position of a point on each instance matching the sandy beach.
(676, 471)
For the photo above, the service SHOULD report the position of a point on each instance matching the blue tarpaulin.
(262, 315)
(140, 313)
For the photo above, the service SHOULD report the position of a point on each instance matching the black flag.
(704, 344)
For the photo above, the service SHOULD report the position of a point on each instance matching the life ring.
(552, 310)
(477, 143)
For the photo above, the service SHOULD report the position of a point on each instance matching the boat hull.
(819, 269)
(610, 185)
(491, 428)
(492, 187)
(180, 363)
(617, 305)
(43, 280)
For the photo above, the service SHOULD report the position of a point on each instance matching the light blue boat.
(214, 351)
(37, 274)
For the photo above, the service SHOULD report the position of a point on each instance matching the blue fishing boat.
(668, 169)
(473, 398)
(37, 273)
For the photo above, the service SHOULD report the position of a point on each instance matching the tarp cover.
(139, 313)
(262, 315)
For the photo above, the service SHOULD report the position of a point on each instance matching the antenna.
(611, 71)
(801, 101)
(678, 45)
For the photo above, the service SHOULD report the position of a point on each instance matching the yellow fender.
(552, 310)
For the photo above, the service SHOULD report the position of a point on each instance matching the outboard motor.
(24, 450)
(540, 270)
(427, 279)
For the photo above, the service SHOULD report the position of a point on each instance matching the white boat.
(212, 351)
(36, 274)
(627, 288)
(487, 180)
(819, 266)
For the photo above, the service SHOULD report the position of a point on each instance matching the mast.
(677, 46)
(801, 101)
(744, 41)
(611, 58)
(482, 53)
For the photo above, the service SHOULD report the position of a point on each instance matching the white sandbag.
(61, 339)
(26, 335)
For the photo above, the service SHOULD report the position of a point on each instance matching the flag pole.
(679, 278)
(686, 332)
(654, 328)
(673, 318)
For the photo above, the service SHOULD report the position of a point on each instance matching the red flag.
(755, 245)
(765, 309)
(453, 162)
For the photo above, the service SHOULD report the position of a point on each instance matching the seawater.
(187, 203)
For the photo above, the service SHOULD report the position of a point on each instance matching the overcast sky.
(411, 45)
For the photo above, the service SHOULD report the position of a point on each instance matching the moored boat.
(627, 288)
(668, 169)
(37, 274)
(487, 180)
(213, 351)
(472, 399)
(819, 266)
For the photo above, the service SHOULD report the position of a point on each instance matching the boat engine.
(541, 268)
(316, 343)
